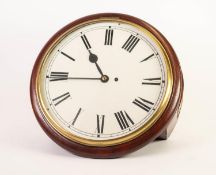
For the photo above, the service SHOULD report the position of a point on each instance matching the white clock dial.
(104, 80)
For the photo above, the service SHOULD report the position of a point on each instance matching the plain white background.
(190, 27)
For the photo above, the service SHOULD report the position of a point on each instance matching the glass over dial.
(103, 80)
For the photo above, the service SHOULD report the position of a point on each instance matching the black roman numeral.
(123, 119)
(145, 59)
(108, 37)
(152, 81)
(56, 76)
(61, 98)
(67, 55)
(144, 104)
(86, 42)
(100, 124)
(75, 119)
(130, 43)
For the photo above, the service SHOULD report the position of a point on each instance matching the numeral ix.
(56, 76)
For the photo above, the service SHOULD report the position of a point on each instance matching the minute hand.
(72, 78)
(83, 78)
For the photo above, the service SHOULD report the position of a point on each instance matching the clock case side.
(158, 130)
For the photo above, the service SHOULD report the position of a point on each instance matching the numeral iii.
(152, 81)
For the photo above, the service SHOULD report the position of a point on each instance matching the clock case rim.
(113, 141)
(156, 130)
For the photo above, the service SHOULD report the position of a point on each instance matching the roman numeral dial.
(103, 81)
(130, 43)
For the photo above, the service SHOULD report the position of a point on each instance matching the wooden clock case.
(160, 130)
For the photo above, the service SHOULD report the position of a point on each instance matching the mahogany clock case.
(151, 134)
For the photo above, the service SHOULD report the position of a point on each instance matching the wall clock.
(106, 85)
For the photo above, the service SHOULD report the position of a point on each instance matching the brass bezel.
(102, 143)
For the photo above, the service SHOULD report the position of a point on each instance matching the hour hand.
(93, 59)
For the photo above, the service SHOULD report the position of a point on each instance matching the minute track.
(100, 62)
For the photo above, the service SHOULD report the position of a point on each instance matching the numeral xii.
(108, 37)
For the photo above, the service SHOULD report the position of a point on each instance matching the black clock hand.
(93, 59)
(83, 78)
(72, 78)
(99, 69)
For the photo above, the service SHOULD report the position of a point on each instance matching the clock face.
(103, 81)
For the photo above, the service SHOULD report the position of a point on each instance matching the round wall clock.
(106, 85)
